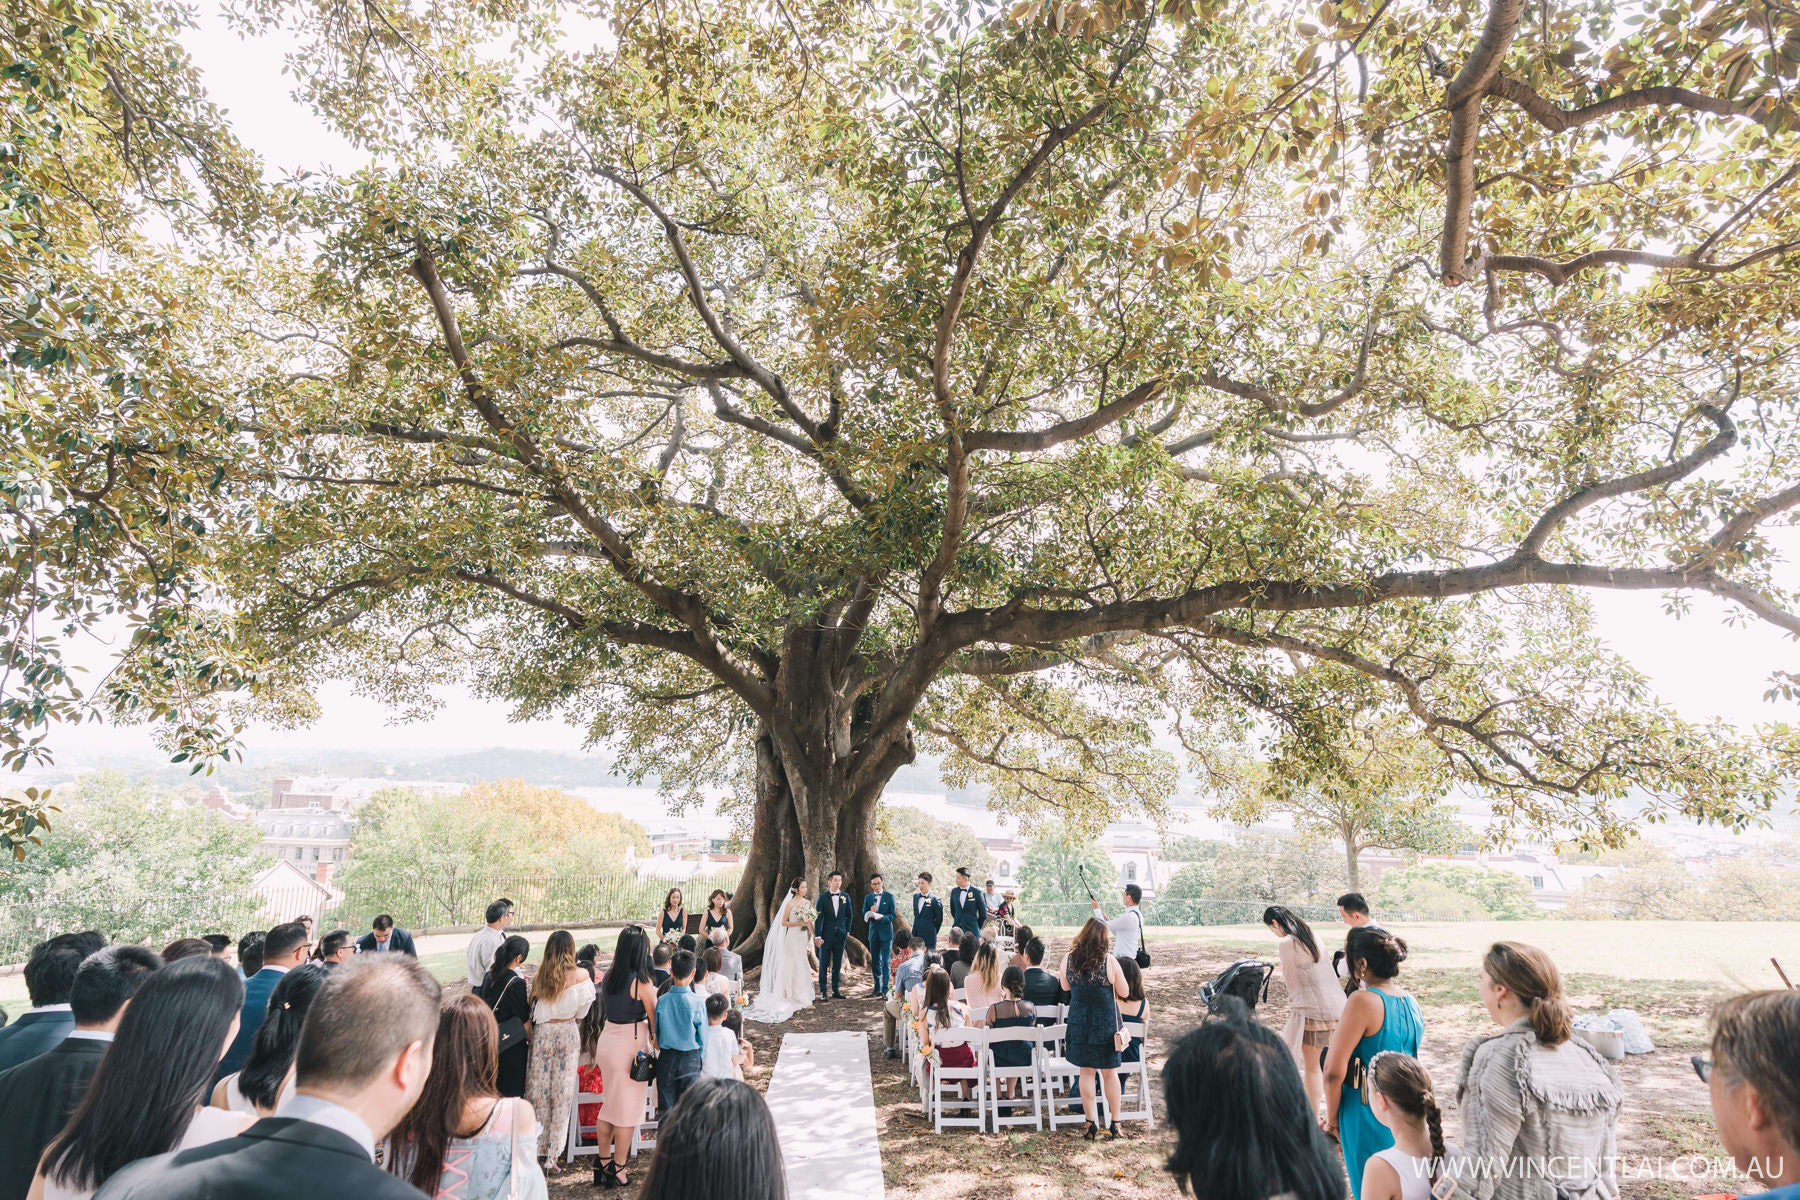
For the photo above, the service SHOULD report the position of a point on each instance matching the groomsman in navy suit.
(928, 914)
(967, 909)
(878, 911)
(830, 932)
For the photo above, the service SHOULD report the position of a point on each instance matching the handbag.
(1121, 1039)
(1143, 955)
(512, 1030)
(643, 1067)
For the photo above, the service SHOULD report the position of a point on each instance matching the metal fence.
(1209, 910)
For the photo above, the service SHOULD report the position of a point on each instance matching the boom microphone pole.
(1081, 869)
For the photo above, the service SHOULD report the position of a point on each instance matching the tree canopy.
(780, 390)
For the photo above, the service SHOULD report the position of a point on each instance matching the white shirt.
(717, 1050)
(482, 947)
(571, 1004)
(47, 1008)
(1128, 930)
(91, 1035)
(316, 1110)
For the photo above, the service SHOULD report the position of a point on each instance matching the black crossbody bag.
(512, 1030)
(1143, 955)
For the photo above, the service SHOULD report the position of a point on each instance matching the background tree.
(1274, 869)
(912, 841)
(1763, 884)
(1454, 891)
(1650, 884)
(1051, 871)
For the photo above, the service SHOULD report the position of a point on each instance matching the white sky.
(1701, 665)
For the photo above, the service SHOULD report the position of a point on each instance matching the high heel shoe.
(1088, 1134)
(606, 1175)
(1112, 1132)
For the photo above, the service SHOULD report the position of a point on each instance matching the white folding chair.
(1027, 1076)
(577, 1130)
(1061, 1079)
(1134, 1102)
(644, 1136)
(950, 1079)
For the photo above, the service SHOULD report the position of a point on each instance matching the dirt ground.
(1666, 1115)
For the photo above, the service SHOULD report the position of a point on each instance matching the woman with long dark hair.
(673, 922)
(1243, 1130)
(507, 996)
(718, 914)
(561, 994)
(628, 1001)
(718, 1142)
(463, 1140)
(1380, 1016)
(267, 1077)
(1133, 1005)
(145, 1097)
(1091, 976)
(1315, 997)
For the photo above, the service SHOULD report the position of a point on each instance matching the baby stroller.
(1248, 979)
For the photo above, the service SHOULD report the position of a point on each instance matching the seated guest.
(147, 1094)
(334, 948)
(250, 952)
(1041, 987)
(1011, 1011)
(182, 948)
(906, 966)
(383, 937)
(966, 944)
(690, 943)
(659, 965)
(732, 964)
(680, 1032)
(915, 996)
(585, 958)
(717, 982)
(940, 1013)
(37, 1096)
(49, 974)
(1132, 1006)
(1266, 1142)
(283, 949)
(219, 943)
(1754, 1079)
(982, 983)
(354, 1078)
(268, 1075)
(718, 1143)
(1021, 935)
(463, 1140)
(720, 1056)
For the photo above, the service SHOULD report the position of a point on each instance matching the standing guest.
(334, 948)
(967, 909)
(181, 948)
(1353, 910)
(878, 913)
(508, 998)
(1315, 999)
(1754, 1080)
(1091, 976)
(720, 1145)
(680, 1026)
(718, 914)
(927, 914)
(306, 922)
(1264, 1143)
(250, 952)
(37, 1096)
(1540, 1108)
(49, 974)
(732, 963)
(659, 964)
(284, 949)
(1401, 1097)
(673, 921)
(1128, 927)
(720, 1056)
(145, 1097)
(219, 943)
(981, 986)
(1042, 988)
(1132, 1007)
(906, 965)
(831, 933)
(628, 1001)
(561, 994)
(1011, 1011)
(967, 945)
(487, 941)
(354, 1078)
(384, 937)
(1380, 1016)
(463, 1140)
(1022, 934)
(268, 1075)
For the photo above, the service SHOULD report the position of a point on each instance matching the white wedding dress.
(787, 973)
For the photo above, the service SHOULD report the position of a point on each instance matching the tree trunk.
(1351, 856)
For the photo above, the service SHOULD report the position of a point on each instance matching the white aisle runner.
(824, 1105)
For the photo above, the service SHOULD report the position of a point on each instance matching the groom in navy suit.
(830, 932)
(878, 911)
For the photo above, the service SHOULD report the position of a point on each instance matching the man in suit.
(830, 933)
(878, 911)
(928, 915)
(1041, 987)
(284, 948)
(659, 964)
(49, 974)
(37, 1096)
(354, 1078)
(384, 938)
(967, 909)
(731, 964)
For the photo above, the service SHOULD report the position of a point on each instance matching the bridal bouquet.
(804, 912)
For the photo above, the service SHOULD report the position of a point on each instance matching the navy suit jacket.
(33, 1034)
(880, 932)
(256, 1007)
(277, 1158)
(399, 941)
(968, 909)
(928, 915)
(36, 1098)
(834, 927)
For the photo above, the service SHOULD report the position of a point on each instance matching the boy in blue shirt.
(680, 1034)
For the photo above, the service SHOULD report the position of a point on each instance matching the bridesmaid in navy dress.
(1094, 982)
(674, 916)
(718, 916)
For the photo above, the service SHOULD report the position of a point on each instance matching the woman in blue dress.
(1379, 1016)
(1091, 976)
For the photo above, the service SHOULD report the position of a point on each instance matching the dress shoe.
(890, 1052)
(838, 996)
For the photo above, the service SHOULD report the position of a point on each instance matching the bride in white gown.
(787, 976)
